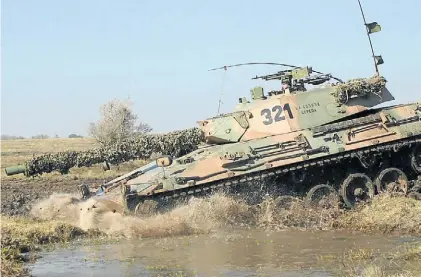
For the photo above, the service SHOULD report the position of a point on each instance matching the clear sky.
(62, 59)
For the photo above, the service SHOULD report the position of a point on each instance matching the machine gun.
(295, 79)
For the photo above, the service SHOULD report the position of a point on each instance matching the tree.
(10, 137)
(40, 136)
(75, 136)
(143, 128)
(117, 124)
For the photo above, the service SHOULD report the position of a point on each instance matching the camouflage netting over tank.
(359, 87)
(175, 143)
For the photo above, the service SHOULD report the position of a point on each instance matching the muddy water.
(232, 252)
(221, 236)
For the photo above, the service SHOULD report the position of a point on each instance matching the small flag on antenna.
(379, 60)
(373, 27)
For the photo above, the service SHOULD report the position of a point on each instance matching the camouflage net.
(359, 87)
(175, 143)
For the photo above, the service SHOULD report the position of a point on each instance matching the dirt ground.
(18, 192)
(17, 196)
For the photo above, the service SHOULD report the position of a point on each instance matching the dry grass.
(408, 252)
(18, 151)
(405, 261)
(14, 152)
(295, 213)
(376, 271)
(385, 214)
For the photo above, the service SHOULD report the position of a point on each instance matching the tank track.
(339, 159)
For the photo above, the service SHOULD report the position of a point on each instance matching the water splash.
(199, 215)
(206, 215)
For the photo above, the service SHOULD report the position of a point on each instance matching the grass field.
(14, 152)
(18, 151)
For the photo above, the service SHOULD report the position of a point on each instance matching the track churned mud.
(18, 196)
(384, 214)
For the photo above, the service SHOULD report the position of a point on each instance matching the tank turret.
(304, 101)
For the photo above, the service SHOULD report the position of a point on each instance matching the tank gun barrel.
(14, 170)
(275, 76)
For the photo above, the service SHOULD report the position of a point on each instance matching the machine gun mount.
(295, 79)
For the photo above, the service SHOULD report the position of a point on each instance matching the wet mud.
(18, 196)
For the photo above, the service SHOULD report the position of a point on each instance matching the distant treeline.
(41, 136)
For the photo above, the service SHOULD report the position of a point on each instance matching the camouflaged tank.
(328, 140)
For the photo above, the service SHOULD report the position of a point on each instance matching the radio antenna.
(222, 90)
(372, 27)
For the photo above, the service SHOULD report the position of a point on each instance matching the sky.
(61, 60)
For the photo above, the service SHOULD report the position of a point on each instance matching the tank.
(327, 140)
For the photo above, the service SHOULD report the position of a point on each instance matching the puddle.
(233, 252)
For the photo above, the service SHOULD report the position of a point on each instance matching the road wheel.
(322, 196)
(357, 187)
(392, 180)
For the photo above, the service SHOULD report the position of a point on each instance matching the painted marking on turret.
(308, 108)
(278, 110)
(308, 111)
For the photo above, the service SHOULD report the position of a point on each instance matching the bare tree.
(117, 123)
(40, 136)
(143, 128)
